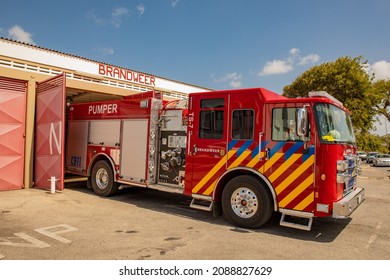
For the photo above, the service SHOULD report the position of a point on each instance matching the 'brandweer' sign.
(127, 75)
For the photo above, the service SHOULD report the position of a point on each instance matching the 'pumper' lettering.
(103, 109)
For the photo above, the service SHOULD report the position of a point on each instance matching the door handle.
(195, 149)
(260, 139)
(267, 150)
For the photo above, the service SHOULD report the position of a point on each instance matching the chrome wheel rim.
(102, 179)
(244, 202)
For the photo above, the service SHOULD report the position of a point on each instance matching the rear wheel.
(102, 179)
(246, 202)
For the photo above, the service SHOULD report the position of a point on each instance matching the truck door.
(289, 162)
(245, 134)
(50, 132)
(207, 142)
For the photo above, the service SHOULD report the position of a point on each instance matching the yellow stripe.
(284, 167)
(214, 170)
(211, 188)
(306, 202)
(239, 159)
(255, 160)
(271, 161)
(298, 190)
(237, 162)
(294, 175)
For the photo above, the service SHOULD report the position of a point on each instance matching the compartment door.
(50, 132)
(134, 150)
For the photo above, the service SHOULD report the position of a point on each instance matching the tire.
(102, 179)
(246, 202)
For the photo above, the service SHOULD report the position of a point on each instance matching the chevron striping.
(297, 191)
(268, 164)
(240, 159)
(306, 202)
(275, 175)
(294, 175)
(213, 171)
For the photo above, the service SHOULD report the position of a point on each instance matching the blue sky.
(211, 43)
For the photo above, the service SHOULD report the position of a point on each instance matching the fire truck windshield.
(334, 124)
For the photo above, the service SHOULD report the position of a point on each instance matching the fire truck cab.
(249, 152)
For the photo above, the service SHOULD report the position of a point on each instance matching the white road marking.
(373, 236)
(53, 232)
(32, 242)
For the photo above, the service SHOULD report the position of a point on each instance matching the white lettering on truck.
(103, 109)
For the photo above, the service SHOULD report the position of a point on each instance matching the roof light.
(326, 95)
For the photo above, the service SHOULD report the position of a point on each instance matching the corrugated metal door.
(50, 133)
(12, 132)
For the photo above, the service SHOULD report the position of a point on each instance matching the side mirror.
(302, 122)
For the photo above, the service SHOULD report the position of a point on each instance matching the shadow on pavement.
(323, 230)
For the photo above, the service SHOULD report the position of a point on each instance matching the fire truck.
(245, 153)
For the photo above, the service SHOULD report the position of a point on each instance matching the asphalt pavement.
(141, 224)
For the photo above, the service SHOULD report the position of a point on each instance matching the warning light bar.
(326, 95)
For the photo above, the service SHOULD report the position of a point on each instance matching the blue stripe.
(232, 144)
(276, 148)
(244, 147)
(310, 153)
(292, 150)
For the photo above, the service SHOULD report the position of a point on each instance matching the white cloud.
(141, 9)
(276, 67)
(115, 19)
(17, 33)
(233, 79)
(104, 51)
(174, 3)
(381, 70)
(294, 52)
(118, 14)
(91, 15)
(309, 59)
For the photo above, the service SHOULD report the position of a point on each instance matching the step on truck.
(245, 153)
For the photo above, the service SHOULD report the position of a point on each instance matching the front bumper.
(344, 207)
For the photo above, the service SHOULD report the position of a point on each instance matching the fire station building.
(37, 83)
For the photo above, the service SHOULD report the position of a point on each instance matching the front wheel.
(246, 202)
(102, 179)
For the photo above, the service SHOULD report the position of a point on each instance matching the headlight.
(343, 178)
(342, 165)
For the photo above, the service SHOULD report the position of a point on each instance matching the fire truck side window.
(283, 124)
(242, 124)
(211, 119)
(212, 103)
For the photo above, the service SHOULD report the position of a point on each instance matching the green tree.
(381, 88)
(368, 142)
(346, 79)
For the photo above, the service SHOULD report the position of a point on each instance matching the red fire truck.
(247, 152)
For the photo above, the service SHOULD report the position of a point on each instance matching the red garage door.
(49, 133)
(12, 131)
